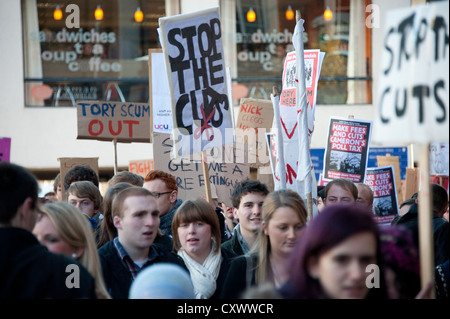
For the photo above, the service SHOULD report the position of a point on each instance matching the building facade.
(47, 63)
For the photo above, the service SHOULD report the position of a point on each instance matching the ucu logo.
(161, 126)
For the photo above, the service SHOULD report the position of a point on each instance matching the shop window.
(262, 44)
(102, 58)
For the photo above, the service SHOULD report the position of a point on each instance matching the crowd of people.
(141, 241)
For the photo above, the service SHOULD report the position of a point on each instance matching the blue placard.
(317, 155)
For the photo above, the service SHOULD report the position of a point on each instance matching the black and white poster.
(347, 149)
(382, 182)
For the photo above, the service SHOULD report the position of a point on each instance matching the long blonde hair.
(273, 201)
(74, 228)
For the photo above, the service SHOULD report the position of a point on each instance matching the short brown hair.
(117, 205)
(345, 184)
(168, 179)
(128, 177)
(196, 210)
(85, 189)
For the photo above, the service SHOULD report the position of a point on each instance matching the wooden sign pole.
(115, 155)
(426, 242)
(206, 175)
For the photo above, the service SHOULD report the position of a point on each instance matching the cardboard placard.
(189, 173)
(411, 182)
(66, 163)
(109, 120)
(255, 118)
(141, 167)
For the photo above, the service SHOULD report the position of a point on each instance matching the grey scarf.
(166, 221)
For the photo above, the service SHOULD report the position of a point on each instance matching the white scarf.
(203, 276)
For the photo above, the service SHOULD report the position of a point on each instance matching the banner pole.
(115, 155)
(426, 243)
(206, 175)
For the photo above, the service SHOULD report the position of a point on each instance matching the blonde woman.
(283, 220)
(64, 229)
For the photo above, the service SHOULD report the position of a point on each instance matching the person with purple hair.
(337, 257)
(401, 263)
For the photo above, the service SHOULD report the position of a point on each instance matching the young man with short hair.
(136, 217)
(164, 188)
(247, 199)
(340, 190)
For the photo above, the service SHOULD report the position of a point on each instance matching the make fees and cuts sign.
(413, 91)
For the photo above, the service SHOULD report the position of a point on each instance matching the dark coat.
(118, 278)
(29, 271)
(440, 230)
(233, 245)
(227, 257)
(240, 277)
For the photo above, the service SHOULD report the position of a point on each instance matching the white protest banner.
(381, 181)
(193, 51)
(289, 109)
(159, 93)
(112, 120)
(346, 154)
(413, 89)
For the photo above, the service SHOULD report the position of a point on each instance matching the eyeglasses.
(158, 195)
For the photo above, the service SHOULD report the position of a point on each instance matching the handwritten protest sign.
(382, 182)
(313, 63)
(347, 148)
(192, 46)
(189, 173)
(5, 149)
(140, 167)
(109, 120)
(66, 163)
(159, 93)
(255, 116)
(413, 99)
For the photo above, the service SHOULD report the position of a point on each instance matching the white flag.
(305, 173)
(280, 173)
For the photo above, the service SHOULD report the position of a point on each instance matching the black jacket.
(440, 232)
(118, 278)
(29, 271)
(227, 257)
(233, 245)
(237, 282)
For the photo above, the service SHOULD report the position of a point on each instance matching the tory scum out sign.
(108, 120)
(413, 91)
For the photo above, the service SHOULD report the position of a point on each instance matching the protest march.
(235, 195)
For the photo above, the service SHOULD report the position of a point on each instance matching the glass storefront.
(105, 58)
(336, 27)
